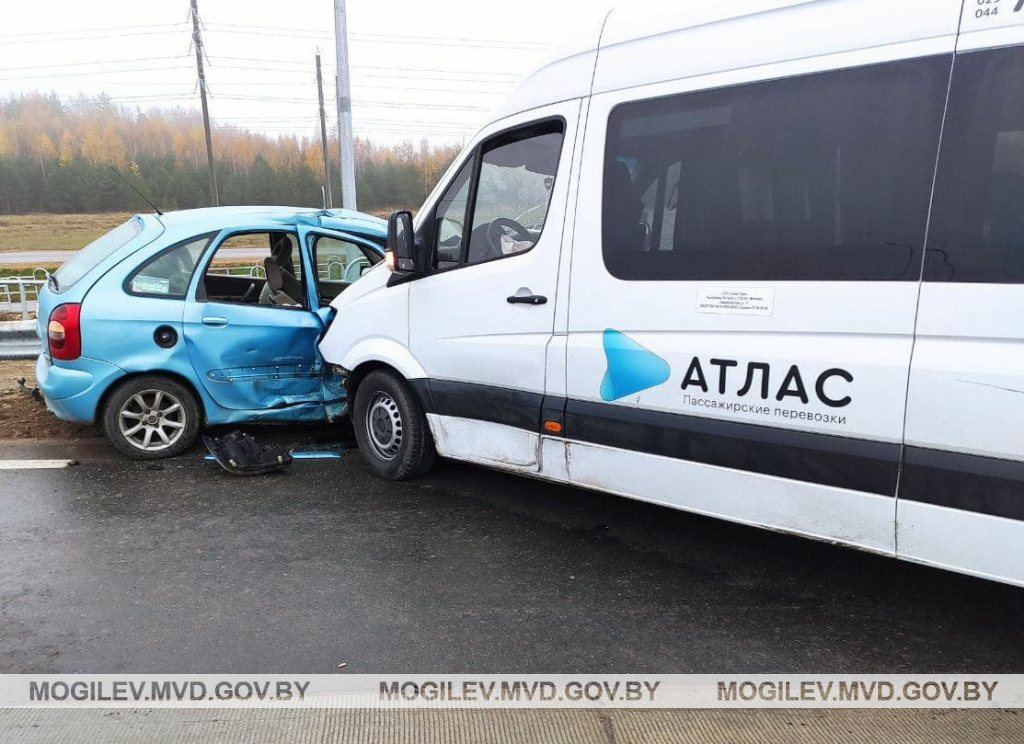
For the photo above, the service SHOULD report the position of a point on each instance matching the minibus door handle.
(531, 299)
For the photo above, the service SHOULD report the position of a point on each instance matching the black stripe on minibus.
(856, 464)
(469, 400)
(984, 485)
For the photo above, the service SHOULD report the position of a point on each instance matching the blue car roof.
(216, 218)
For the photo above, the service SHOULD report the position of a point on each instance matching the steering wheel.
(497, 228)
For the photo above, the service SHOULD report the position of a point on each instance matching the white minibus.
(759, 260)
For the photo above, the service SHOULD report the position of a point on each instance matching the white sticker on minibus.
(729, 301)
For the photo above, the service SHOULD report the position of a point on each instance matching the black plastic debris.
(241, 454)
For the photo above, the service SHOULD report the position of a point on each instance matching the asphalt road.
(111, 566)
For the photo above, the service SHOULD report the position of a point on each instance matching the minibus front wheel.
(391, 428)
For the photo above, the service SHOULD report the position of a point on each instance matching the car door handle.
(214, 320)
(526, 299)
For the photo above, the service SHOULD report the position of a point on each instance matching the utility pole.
(323, 132)
(197, 42)
(348, 168)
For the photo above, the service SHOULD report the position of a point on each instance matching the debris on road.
(315, 454)
(241, 454)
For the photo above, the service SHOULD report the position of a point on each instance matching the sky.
(434, 69)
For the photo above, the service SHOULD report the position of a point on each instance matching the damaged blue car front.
(208, 316)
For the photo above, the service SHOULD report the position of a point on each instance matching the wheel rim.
(384, 429)
(152, 420)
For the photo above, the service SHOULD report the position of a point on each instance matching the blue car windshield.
(89, 257)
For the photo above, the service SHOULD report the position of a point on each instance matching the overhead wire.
(84, 35)
(417, 76)
(380, 38)
(90, 31)
(77, 65)
(60, 76)
(302, 68)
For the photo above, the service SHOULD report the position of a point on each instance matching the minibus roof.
(568, 72)
(652, 41)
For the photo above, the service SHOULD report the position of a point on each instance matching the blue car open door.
(252, 325)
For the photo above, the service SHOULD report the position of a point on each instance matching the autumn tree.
(56, 156)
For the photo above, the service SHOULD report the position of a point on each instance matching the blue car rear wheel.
(151, 417)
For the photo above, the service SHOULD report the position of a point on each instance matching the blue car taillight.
(64, 332)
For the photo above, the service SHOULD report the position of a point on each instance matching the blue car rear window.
(89, 257)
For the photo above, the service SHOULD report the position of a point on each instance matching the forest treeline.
(55, 156)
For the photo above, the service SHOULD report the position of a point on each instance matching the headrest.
(275, 280)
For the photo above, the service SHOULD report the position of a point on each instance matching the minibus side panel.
(745, 277)
(961, 497)
(553, 453)
(481, 319)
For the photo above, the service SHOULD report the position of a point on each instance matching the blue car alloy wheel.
(151, 417)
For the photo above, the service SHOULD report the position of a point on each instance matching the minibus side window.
(818, 177)
(450, 220)
(977, 227)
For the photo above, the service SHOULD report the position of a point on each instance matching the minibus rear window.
(820, 177)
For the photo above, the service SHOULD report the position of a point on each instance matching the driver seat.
(284, 288)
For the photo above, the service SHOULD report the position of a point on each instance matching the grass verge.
(54, 232)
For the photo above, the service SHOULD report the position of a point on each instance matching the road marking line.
(34, 464)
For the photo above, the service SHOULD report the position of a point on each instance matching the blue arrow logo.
(631, 367)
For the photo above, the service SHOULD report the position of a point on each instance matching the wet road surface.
(111, 566)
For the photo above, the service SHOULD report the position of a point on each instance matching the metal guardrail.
(255, 271)
(18, 340)
(332, 269)
(20, 294)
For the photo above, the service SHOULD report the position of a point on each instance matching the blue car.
(207, 316)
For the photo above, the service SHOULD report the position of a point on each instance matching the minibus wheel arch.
(356, 376)
(390, 424)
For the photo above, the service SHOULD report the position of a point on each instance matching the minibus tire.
(121, 408)
(391, 428)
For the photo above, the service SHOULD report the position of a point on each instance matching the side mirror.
(401, 250)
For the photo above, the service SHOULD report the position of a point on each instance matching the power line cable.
(158, 28)
(389, 37)
(77, 65)
(61, 76)
(411, 74)
(504, 46)
(302, 67)
(357, 102)
(103, 29)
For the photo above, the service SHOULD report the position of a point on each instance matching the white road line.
(34, 464)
